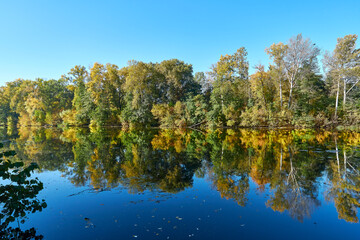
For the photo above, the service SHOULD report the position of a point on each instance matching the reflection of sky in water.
(198, 212)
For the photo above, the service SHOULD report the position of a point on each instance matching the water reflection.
(297, 168)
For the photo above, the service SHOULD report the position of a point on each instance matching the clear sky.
(47, 38)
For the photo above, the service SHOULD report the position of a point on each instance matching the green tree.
(231, 89)
(343, 67)
(82, 104)
(104, 91)
(277, 53)
(142, 89)
(179, 80)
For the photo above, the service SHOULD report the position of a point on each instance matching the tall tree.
(104, 87)
(204, 82)
(343, 65)
(231, 88)
(82, 103)
(262, 86)
(277, 52)
(179, 80)
(301, 57)
(143, 90)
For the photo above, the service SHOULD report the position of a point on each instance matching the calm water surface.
(181, 184)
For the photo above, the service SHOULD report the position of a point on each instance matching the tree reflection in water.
(294, 166)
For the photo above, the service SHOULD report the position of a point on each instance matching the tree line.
(291, 92)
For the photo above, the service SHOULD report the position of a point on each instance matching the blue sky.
(47, 38)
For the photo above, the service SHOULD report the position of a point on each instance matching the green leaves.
(9, 153)
(106, 95)
(231, 89)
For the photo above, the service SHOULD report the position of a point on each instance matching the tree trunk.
(344, 102)
(222, 103)
(290, 95)
(337, 99)
(281, 101)
(119, 101)
(281, 158)
(337, 156)
(345, 163)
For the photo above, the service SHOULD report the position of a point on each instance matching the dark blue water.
(193, 185)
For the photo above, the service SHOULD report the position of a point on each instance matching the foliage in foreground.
(18, 197)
